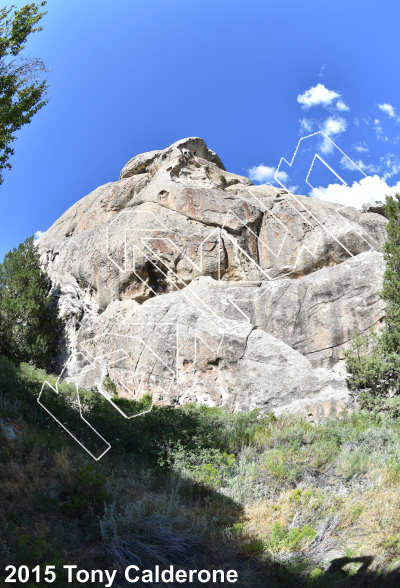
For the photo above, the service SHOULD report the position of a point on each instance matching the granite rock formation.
(186, 281)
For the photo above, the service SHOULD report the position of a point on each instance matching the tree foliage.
(391, 283)
(22, 93)
(28, 324)
(374, 358)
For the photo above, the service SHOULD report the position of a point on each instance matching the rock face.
(188, 282)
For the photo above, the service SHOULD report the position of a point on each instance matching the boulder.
(185, 280)
(378, 207)
(182, 354)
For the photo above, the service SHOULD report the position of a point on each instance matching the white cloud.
(264, 173)
(38, 236)
(261, 173)
(317, 95)
(306, 125)
(361, 147)
(340, 105)
(326, 146)
(282, 176)
(369, 190)
(320, 95)
(387, 109)
(334, 126)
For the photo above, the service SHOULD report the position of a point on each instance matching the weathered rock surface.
(189, 282)
(316, 315)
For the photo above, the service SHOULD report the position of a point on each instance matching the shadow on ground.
(58, 506)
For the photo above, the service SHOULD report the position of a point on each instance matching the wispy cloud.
(264, 173)
(346, 163)
(364, 120)
(367, 168)
(306, 125)
(340, 105)
(391, 164)
(361, 147)
(378, 130)
(387, 109)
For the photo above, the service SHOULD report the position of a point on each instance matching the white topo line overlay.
(80, 412)
(316, 156)
(145, 237)
(92, 365)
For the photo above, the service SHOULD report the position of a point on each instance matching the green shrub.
(284, 539)
(223, 181)
(284, 463)
(393, 544)
(35, 550)
(237, 530)
(109, 385)
(255, 547)
(88, 489)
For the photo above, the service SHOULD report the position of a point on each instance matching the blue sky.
(249, 77)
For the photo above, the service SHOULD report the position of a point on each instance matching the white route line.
(289, 232)
(80, 412)
(164, 228)
(197, 341)
(103, 368)
(183, 290)
(218, 322)
(309, 171)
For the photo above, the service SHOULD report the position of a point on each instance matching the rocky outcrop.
(186, 281)
(378, 207)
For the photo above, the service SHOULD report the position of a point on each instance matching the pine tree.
(28, 324)
(391, 281)
(374, 359)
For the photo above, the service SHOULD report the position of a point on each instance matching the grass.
(284, 501)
